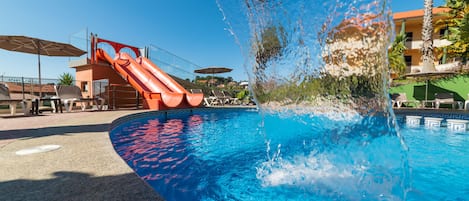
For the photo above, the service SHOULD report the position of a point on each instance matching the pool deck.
(86, 167)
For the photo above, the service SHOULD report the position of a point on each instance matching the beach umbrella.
(40, 47)
(428, 75)
(213, 71)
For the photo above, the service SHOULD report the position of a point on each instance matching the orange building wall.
(91, 72)
(413, 23)
(84, 74)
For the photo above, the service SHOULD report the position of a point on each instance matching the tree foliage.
(270, 45)
(457, 22)
(66, 79)
(396, 54)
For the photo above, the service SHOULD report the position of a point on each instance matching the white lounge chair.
(231, 98)
(221, 98)
(401, 98)
(72, 94)
(5, 99)
(446, 98)
(466, 103)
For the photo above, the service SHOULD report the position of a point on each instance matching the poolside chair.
(401, 99)
(72, 94)
(466, 103)
(445, 98)
(393, 99)
(221, 98)
(5, 99)
(231, 98)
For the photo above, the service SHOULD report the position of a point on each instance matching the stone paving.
(86, 167)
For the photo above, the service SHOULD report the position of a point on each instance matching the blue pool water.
(229, 155)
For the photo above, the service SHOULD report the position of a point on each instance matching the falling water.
(319, 68)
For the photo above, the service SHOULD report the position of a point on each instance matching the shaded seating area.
(222, 98)
(72, 94)
(217, 98)
(5, 99)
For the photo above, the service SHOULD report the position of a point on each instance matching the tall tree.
(427, 37)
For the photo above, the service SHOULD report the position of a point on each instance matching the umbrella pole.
(426, 91)
(39, 66)
(213, 78)
(22, 86)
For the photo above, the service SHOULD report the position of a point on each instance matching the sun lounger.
(446, 98)
(221, 98)
(393, 99)
(72, 94)
(231, 98)
(401, 98)
(466, 103)
(5, 99)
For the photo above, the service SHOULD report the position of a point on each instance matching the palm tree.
(66, 79)
(427, 37)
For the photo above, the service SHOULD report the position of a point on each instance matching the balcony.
(417, 44)
(449, 67)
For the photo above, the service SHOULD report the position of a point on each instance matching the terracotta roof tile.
(16, 87)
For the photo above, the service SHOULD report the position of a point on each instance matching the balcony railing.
(417, 44)
(449, 67)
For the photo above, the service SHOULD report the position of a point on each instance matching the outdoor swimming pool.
(226, 155)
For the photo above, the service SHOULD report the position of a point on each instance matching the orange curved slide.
(192, 99)
(155, 93)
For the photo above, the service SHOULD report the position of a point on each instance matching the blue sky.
(191, 29)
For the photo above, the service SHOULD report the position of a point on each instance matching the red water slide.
(192, 99)
(156, 94)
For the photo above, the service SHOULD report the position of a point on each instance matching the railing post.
(113, 97)
(108, 96)
(22, 86)
(138, 98)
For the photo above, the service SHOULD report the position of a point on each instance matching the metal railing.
(30, 86)
(123, 96)
(167, 61)
(171, 63)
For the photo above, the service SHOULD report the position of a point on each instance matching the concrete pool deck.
(86, 167)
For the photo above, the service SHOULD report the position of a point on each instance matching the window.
(408, 60)
(442, 32)
(440, 61)
(409, 36)
(84, 86)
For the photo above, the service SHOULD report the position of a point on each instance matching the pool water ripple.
(226, 156)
